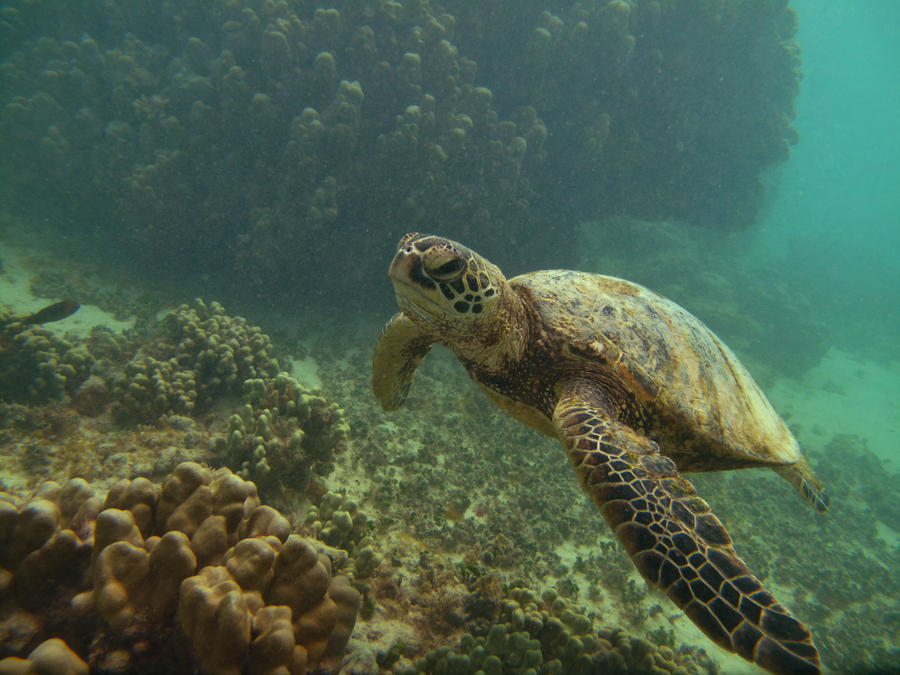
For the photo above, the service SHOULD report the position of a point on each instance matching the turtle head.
(443, 284)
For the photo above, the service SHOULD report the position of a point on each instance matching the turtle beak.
(414, 290)
(399, 269)
(406, 268)
(402, 263)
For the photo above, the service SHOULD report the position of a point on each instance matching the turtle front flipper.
(674, 539)
(399, 351)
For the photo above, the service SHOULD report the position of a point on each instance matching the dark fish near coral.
(55, 312)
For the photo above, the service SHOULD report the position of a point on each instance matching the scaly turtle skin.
(635, 388)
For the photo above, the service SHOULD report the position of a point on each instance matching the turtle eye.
(447, 270)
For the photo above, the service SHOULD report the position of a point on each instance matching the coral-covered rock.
(267, 132)
(546, 635)
(203, 355)
(389, 114)
(284, 434)
(51, 657)
(37, 366)
(207, 564)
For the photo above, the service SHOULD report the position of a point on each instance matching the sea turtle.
(635, 388)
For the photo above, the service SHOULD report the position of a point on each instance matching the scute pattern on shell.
(691, 383)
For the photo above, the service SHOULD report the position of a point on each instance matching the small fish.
(55, 312)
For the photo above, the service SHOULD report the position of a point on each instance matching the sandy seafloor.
(854, 401)
(845, 395)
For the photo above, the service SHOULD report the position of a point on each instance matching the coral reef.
(283, 434)
(204, 355)
(672, 107)
(175, 375)
(201, 355)
(36, 365)
(545, 635)
(52, 657)
(283, 87)
(269, 131)
(431, 514)
(463, 480)
(131, 582)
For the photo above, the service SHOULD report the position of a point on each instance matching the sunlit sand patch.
(306, 371)
(15, 290)
(844, 395)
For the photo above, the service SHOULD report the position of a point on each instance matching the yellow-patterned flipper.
(398, 352)
(674, 539)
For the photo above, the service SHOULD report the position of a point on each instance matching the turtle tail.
(801, 476)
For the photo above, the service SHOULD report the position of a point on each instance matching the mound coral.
(52, 657)
(134, 581)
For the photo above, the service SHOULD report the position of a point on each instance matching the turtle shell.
(696, 399)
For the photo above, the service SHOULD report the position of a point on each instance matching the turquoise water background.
(827, 244)
(833, 221)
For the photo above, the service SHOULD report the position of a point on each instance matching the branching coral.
(339, 522)
(284, 434)
(37, 366)
(204, 355)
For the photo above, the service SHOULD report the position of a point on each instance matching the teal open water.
(834, 217)
(213, 455)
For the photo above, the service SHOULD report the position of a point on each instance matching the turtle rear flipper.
(398, 352)
(801, 476)
(674, 539)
